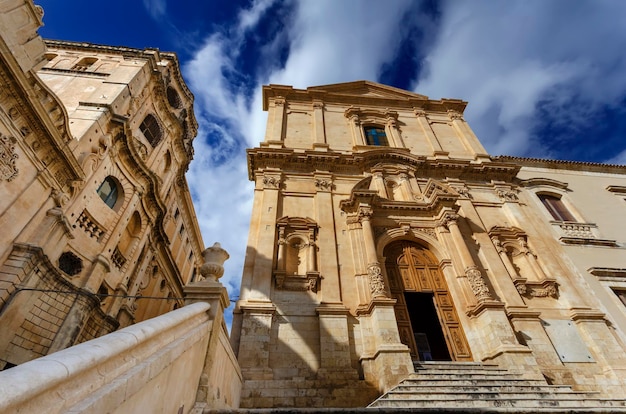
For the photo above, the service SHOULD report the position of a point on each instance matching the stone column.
(357, 132)
(383, 348)
(405, 185)
(473, 274)
(376, 282)
(379, 183)
(392, 127)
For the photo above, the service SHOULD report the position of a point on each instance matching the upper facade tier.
(359, 116)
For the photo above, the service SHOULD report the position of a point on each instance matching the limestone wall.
(152, 366)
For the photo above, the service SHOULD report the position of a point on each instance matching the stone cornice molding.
(563, 165)
(311, 161)
(544, 182)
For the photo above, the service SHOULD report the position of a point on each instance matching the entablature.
(309, 161)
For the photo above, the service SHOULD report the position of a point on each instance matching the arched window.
(151, 129)
(375, 135)
(109, 191)
(556, 207)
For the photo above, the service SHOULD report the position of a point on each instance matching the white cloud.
(507, 57)
(342, 41)
(156, 8)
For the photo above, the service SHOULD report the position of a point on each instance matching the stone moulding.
(298, 283)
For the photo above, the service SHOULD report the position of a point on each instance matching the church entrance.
(427, 320)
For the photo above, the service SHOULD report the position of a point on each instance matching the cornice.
(310, 161)
(563, 164)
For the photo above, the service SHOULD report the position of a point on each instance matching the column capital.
(449, 219)
(365, 213)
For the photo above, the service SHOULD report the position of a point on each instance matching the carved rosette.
(477, 283)
(377, 284)
(8, 170)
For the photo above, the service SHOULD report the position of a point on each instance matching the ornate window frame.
(359, 119)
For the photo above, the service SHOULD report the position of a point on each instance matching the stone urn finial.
(214, 258)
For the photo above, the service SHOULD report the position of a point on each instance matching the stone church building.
(383, 234)
(392, 263)
(98, 228)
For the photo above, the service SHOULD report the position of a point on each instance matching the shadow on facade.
(294, 349)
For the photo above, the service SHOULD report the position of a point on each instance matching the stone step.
(482, 395)
(428, 389)
(574, 404)
(476, 386)
(461, 382)
(477, 376)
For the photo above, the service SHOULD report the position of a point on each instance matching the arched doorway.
(427, 320)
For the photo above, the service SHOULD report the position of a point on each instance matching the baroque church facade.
(98, 227)
(383, 233)
(384, 240)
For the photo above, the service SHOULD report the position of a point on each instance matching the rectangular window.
(375, 136)
(556, 207)
(182, 229)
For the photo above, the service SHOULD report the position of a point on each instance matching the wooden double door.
(427, 320)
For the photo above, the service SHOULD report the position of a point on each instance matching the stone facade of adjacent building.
(98, 227)
(383, 233)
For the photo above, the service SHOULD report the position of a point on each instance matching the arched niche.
(296, 254)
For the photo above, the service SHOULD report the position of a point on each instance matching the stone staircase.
(467, 387)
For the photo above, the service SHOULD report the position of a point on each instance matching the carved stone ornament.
(8, 170)
(297, 283)
(463, 192)
(214, 258)
(365, 212)
(506, 195)
(142, 150)
(449, 219)
(323, 184)
(419, 112)
(454, 114)
(271, 182)
(477, 283)
(543, 289)
(377, 284)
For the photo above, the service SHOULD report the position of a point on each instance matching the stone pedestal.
(386, 360)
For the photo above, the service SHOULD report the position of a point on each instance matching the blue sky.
(543, 78)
